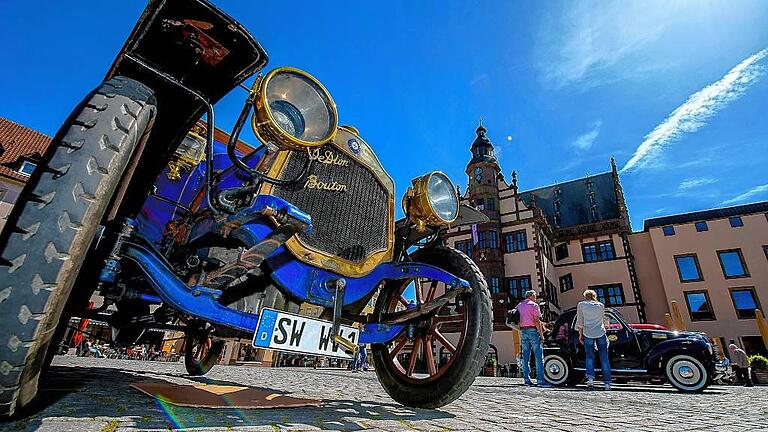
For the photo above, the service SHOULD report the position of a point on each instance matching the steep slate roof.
(719, 213)
(17, 141)
(574, 203)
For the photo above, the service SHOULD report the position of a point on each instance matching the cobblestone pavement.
(86, 394)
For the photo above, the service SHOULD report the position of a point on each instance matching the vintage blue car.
(684, 359)
(177, 231)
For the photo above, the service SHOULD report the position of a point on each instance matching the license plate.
(283, 331)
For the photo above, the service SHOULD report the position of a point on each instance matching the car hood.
(669, 334)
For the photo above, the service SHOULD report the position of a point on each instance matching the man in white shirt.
(590, 316)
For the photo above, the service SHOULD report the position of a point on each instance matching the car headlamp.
(431, 200)
(293, 110)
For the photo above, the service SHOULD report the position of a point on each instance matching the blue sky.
(676, 91)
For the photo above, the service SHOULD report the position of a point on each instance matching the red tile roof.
(17, 141)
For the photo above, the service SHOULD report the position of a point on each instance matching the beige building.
(562, 239)
(714, 264)
(20, 152)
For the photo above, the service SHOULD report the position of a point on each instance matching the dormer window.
(27, 167)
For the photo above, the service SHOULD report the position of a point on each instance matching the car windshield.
(611, 322)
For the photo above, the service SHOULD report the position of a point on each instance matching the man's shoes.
(607, 387)
(527, 382)
(544, 385)
(748, 385)
(590, 382)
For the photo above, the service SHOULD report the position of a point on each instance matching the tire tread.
(55, 218)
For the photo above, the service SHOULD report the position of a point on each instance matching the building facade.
(20, 151)
(714, 264)
(562, 239)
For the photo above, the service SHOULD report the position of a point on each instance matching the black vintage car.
(685, 360)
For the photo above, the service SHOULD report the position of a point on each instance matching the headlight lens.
(442, 197)
(293, 110)
(431, 200)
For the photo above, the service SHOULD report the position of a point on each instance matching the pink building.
(562, 239)
(714, 263)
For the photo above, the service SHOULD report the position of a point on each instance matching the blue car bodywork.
(302, 281)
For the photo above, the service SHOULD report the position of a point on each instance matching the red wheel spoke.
(445, 342)
(441, 319)
(432, 289)
(429, 345)
(398, 346)
(417, 287)
(414, 354)
(430, 356)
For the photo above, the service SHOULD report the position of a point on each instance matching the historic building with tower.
(706, 269)
(562, 239)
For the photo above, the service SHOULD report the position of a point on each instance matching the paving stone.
(87, 394)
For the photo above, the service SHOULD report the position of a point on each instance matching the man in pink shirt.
(532, 338)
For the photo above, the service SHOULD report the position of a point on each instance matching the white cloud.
(479, 79)
(584, 141)
(757, 190)
(583, 43)
(695, 182)
(698, 109)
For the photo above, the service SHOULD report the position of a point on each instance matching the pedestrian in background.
(590, 322)
(358, 363)
(740, 364)
(532, 338)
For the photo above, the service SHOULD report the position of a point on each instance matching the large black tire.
(470, 357)
(50, 230)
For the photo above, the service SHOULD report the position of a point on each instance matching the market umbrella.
(762, 325)
(678, 317)
(516, 341)
(670, 323)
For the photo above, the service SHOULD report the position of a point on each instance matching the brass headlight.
(431, 200)
(293, 110)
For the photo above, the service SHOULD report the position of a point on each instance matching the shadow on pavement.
(75, 393)
(633, 388)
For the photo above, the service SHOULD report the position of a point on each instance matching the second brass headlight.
(432, 200)
(293, 110)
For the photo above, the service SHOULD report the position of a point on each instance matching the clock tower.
(483, 193)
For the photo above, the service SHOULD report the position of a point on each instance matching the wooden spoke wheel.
(438, 357)
(442, 333)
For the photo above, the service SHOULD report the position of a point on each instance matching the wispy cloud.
(695, 182)
(479, 79)
(587, 46)
(757, 190)
(584, 141)
(698, 109)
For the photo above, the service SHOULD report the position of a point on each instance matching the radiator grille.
(349, 224)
